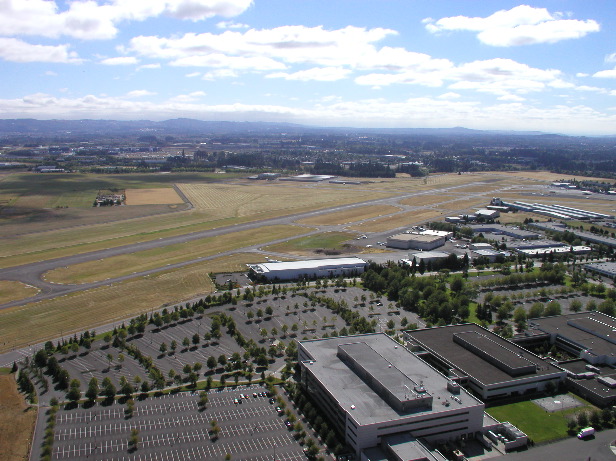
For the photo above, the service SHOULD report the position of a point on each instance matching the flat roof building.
(332, 267)
(489, 365)
(372, 388)
(426, 256)
(415, 241)
(608, 268)
(499, 229)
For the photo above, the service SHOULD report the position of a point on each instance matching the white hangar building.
(333, 267)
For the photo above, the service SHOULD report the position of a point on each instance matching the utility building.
(415, 241)
(313, 268)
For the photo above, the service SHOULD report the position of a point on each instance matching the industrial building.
(426, 257)
(583, 235)
(487, 214)
(313, 268)
(499, 229)
(556, 211)
(490, 255)
(489, 365)
(608, 269)
(589, 336)
(415, 241)
(373, 388)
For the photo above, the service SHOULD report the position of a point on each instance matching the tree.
(576, 305)
(269, 311)
(203, 399)
(263, 333)
(222, 359)
(211, 362)
(120, 359)
(536, 311)
(174, 346)
(196, 339)
(133, 441)
(163, 348)
(186, 342)
(92, 391)
(552, 308)
(74, 394)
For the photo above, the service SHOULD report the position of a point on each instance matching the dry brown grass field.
(160, 196)
(463, 205)
(12, 291)
(215, 206)
(396, 221)
(349, 216)
(426, 199)
(550, 177)
(306, 245)
(49, 319)
(17, 421)
(118, 266)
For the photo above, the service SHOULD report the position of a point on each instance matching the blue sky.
(548, 66)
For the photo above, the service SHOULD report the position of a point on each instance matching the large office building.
(373, 388)
(313, 268)
(489, 365)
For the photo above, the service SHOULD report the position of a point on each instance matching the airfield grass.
(159, 196)
(49, 319)
(396, 221)
(304, 245)
(216, 206)
(548, 176)
(426, 199)
(463, 204)
(349, 216)
(118, 266)
(11, 291)
(17, 421)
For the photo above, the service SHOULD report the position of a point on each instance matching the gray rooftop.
(482, 355)
(352, 367)
(591, 330)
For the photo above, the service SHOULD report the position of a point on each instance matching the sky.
(493, 65)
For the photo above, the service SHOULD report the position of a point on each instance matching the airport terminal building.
(374, 388)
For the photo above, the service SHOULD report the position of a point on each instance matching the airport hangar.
(372, 387)
(332, 267)
(489, 365)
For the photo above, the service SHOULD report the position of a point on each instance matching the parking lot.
(173, 427)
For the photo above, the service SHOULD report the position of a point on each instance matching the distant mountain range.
(185, 126)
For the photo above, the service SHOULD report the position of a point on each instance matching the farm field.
(349, 216)
(159, 196)
(307, 245)
(17, 421)
(49, 319)
(118, 266)
(396, 221)
(11, 291)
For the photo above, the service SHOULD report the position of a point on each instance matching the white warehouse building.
(312, 268)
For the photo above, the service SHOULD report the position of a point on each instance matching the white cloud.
(149, 66)
(219, 73)
(51, 73)
(15, 50)
(139, 93)
(511, 97)
(521, 25)
(193, 74)
(449, 96)
(97, 19)
(350, 46)
(231, 25)
(321, 74)
(606, 73)
(120, 61)
(582, 74)
(414, 112)
(190, 97)
(610, 57)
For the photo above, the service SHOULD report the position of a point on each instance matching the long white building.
(313, 268)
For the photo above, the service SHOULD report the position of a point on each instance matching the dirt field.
(307, 245)
(11, 291)
(396, 221)
(352, 215)
(50, 319)
(118, 266)
(17, 421)
(163, 196)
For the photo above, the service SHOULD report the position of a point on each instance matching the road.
(592, 449)
(32, 273)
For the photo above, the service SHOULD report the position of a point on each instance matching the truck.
(586, 432)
